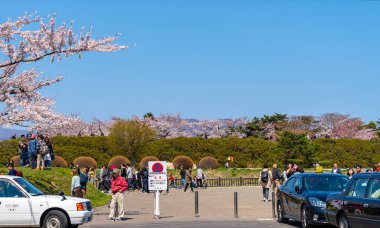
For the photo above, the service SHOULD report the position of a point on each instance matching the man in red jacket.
(119, 186)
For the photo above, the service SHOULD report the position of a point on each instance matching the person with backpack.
(278, 176)
(42, 150)
(11, 170)
(265, 179)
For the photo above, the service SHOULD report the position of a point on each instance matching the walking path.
(215, 204)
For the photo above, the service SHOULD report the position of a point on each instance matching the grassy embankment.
(54, 180)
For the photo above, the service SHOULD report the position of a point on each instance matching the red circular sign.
(157, 167)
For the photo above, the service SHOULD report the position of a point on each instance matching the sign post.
(157, 182)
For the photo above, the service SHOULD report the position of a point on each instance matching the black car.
(303, 197)
(358, 205)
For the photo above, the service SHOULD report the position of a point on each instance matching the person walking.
(188, 179)
(182, 173)
(130, 177)
(32, 151)
(145, 176)
(118, 187)
(265, 179)
(336, 169)
(23, 149)
(75, 185)
(277, 177)
(199, 177)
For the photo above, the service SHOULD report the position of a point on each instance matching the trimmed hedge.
(184, 161)
(144, 161)
(250, 152)
(85, 162)
(16, 160)
(208, 163)
(59, 162)
(118, 161)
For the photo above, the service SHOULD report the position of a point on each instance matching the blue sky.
(215, 59)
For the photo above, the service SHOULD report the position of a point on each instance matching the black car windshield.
(31, 189)
(325, 183)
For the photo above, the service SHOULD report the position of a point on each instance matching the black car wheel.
(343, 221)
(304, 222)
(280, 214)
(55, 219)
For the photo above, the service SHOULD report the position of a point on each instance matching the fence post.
(236, 205)
(219, 182)
(196, 205)
(273, 205)
(241, 181)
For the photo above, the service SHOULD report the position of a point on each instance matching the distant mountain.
(7, 133)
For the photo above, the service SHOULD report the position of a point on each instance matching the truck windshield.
(325, 183)
(31, 189)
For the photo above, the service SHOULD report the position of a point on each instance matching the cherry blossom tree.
(20, 43)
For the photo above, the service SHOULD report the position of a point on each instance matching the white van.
(22, 204)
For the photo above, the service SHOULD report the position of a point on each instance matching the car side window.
(9, 190)
(298, 183)
(290, 183)
(358, 188)
(374, 188)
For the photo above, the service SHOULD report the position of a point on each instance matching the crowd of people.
(35, 152)
(272, 179)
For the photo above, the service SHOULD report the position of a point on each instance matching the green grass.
(55, 180)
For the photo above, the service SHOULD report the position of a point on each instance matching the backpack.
(280, 175)
(44, 150)
(19, 174)
(264, 176)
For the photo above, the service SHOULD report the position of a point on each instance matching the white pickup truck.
(22, 204)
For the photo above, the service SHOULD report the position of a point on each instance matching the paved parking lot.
(216, 209)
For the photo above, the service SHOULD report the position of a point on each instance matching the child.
(172, 181)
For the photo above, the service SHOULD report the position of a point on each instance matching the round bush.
(59, 162)
(85, 162)
(184, 161)
(16, 161)
(208, 163)
(118, 160)
(144, 161)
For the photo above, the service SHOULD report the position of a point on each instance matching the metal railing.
(228, 182)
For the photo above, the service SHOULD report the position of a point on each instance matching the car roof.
(367, 174)
(9, 177)
(317, 174)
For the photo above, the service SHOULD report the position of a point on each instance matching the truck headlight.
(317, 203)
(80, 207)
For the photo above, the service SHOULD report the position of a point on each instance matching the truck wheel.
(55, 219)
